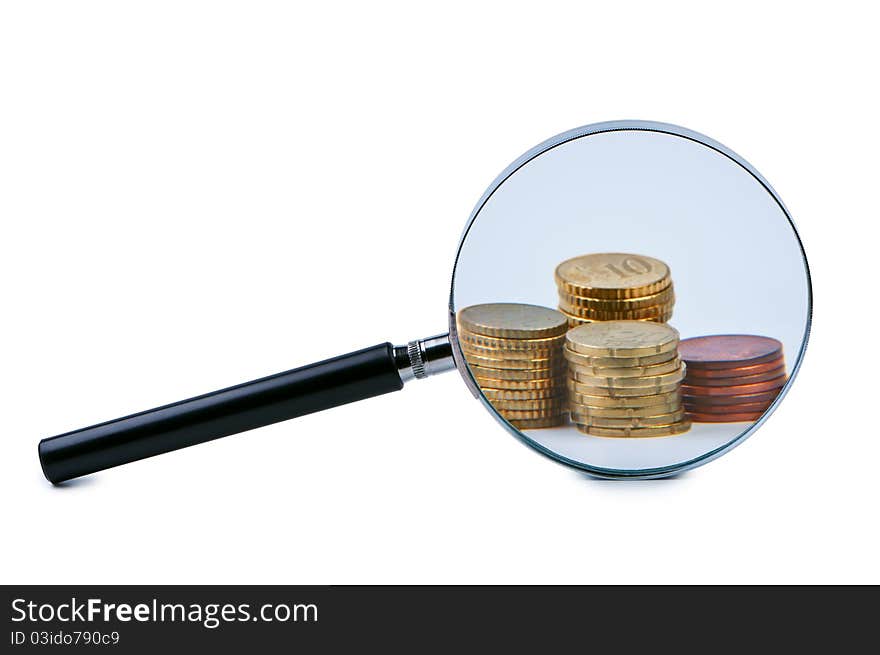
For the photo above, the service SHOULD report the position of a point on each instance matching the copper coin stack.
(514, 352)
(624, 379)
(613, 287)
(731, 377)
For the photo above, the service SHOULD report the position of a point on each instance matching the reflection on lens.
(677, 281)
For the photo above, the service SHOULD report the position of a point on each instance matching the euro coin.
(557, 404)
(512, 374)
(740, 408)
(512, 321)
(584, 389)
(591, 400)
(645, 313)
(624, 372)
(534, 423)
(616, 362)
(634, 422)
(529, 414)
(546, 383)
(645, 382)
(514, 364)
(626, 412)
(664, 297)
(727, 382)
(739, 371)
(511, 354)
(729, 350)
(736, 390)
(575, 321)
(622, 339)
(654, 431)
(612, 275)
(733, 399)
(522, 394)
(495, 343)
(725, 418)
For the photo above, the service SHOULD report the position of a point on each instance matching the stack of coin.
(624, 379)
(614, 286)
(731, 377)
(514, 352)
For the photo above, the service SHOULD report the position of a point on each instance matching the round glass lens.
(630, 298)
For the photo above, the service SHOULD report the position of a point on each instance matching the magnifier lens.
(631, 299)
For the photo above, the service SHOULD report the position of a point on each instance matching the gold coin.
(624, 372)
(626, 412)
(533, 423)
(555, 404)
(626, 392)
(622, 339)
(617, 362)
(530, 414)
(634, 422)
(523, 394)
(664, 297)
(513, 364)
(577, 321)
(512, 321)
(590, 400)
(652, 312)
(512, 374)
(547, 383)
(495, 343)
(471, 349)
(574, 321)
(612, 275)
(641, 412)
(644, 382)
(654, 431)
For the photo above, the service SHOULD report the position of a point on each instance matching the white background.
(196, 194)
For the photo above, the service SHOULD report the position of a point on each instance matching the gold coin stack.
(514, 352)
(625, 379)
(614, 286)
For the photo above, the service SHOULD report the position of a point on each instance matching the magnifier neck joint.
(424, 357)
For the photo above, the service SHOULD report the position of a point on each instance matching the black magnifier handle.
(332, 382)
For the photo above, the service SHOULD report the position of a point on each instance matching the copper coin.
(728, 350)
(724, 418)
(738, 371)
(735, 390)
(741, 408)
(766, 396)
(729, 382)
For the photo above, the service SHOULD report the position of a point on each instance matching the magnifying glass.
(628, 298)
